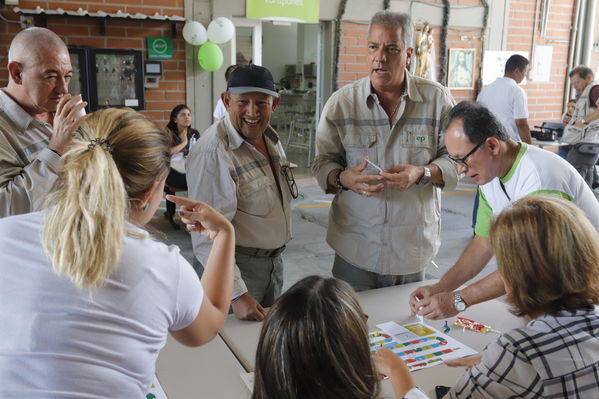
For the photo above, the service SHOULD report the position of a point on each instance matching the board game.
(418, 344)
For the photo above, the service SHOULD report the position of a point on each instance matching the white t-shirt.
(535, 171)
(219, 111)
(60, 342)
(508, 102)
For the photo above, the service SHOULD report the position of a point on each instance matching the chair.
(171, 207)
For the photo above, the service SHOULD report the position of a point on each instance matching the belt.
(267, 253)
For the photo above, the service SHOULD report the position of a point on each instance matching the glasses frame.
(462, 161)
(288, 173)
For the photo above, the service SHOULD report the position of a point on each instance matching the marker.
(374, 166)
(420, 318)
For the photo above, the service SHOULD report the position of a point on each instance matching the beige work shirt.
(232, 176)
(28, 169)
(393, 232)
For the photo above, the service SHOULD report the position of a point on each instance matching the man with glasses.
(507, 100)
(505, 171)
(381, 152)
(238, 167)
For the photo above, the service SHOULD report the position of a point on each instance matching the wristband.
(338, 183)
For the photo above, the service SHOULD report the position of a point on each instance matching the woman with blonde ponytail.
(86, 296)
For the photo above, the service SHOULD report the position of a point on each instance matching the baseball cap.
(251, 79)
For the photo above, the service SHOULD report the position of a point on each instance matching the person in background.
(239, 167)
(583, 127)
(548, 258)
(508, 101)
(37, 119)
(87, 297)
(384, 223)
(314, 344)
(183, 136)
(220, 111)
(567, 116)
(505, 171)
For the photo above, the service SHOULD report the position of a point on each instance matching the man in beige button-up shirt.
(384, 225)
(39, 70)
(238, 167)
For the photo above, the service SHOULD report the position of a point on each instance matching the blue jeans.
(362, 280)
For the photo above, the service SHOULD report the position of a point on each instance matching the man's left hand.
(402, 177)
(464, 361)
(438, 306)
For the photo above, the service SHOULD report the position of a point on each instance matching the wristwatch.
(458, 302)
(584, 122)
(426, 177)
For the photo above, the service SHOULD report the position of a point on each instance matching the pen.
(374, 165)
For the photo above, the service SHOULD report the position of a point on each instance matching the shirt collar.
(14, 111)
(410, 90)
(236, 140)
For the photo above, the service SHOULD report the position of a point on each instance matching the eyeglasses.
(462, 161)
(286, 170)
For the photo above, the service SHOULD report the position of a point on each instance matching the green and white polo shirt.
(535, 171)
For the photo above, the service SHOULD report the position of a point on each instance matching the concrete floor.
(308, 253)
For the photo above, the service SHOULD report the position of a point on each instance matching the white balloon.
(221, 30)
(194, 33)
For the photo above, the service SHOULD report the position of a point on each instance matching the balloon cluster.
(220, 30)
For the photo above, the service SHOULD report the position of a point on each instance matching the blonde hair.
(84, 228)
(548, 255)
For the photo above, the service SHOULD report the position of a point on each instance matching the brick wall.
(545, 99)
(119, 34)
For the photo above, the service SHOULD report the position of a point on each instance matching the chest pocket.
(256, 197)
(359, 146)
(418, 144)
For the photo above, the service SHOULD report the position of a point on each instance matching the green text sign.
(160, 48)
(298, 10)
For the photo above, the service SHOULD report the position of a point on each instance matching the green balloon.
(210, 56)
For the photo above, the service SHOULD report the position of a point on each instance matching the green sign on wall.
(160, 48)
(298, 10)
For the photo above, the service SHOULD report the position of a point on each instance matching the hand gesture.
(386, 361)
(402, 177)
(201, 217)
(359, 182)
(246, 307)
(67, 118)
(438, 306)
(424, 292)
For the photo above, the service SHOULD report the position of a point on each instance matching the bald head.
(32, 43)
(39, 70)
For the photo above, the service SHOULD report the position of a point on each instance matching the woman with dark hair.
(182, 135)
(314, 344)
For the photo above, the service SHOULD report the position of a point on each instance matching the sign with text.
(160, 48)
(284, 10)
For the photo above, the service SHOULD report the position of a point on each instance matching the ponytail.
(118, 157)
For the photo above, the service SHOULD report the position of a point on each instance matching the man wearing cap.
(239, 167)
(384, 224)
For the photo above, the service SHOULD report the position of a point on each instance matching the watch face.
(460, 306)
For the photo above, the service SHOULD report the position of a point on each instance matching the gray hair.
(27, 42)
(582, 71)
(394, 19)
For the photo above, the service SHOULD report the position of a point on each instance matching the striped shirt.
(232, 176)
(552, 357)
(28, 169)
(394, 232)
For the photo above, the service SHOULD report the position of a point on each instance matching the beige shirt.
(28, 169)
(232, 176)
(393, 232)
(590, 132)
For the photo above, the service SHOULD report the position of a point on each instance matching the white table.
(543, 144)
(210, 371)
(391, 304)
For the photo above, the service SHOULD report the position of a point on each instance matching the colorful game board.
(418, 344)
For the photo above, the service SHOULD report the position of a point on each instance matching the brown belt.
(267, 253)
